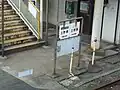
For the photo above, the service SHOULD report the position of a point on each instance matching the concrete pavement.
(41, 61)
(8, 82)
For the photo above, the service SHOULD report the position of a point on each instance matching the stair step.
(10, 17)
(7, 16)
(14, 27)
(22, 45)
(18, 39)
(9, 11)
(5, 2)
(15, 33)
(11, 23)
(6, 7)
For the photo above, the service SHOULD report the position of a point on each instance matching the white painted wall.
(53, 11)
(110, 21)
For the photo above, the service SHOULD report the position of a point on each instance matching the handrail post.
(38, 19)
(47, 11)
(2, 28)
(55, 54)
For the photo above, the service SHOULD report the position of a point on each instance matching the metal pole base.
(38, 40)
(3, 58)
(71, 75)
(46, 43)
(94, 68)
(79, 68)
(55, 75)
(46, 47)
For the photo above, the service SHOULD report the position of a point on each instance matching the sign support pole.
(80, 43)
(55, 50)
(55, 54)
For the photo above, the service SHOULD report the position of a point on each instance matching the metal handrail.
(32, 23)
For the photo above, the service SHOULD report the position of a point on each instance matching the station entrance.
(85, 9)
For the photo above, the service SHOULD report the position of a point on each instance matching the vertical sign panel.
(64, 47)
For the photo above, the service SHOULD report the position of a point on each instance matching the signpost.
(68, 39)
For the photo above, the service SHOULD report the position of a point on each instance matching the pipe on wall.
(116, 25)
(102, 22)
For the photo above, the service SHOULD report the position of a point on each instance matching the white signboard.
(74, 29)
(64, 31)
(69, 30)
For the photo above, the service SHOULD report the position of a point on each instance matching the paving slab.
(8, 82)
(94, 68)
(110, 52)
(113, 60)
(47, 83)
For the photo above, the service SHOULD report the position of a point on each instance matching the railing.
(29, 19)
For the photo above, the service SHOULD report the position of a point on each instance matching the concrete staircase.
(17, 36)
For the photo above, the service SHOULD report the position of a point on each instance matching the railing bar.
(38, 25)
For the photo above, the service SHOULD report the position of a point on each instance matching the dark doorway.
(86, 10)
